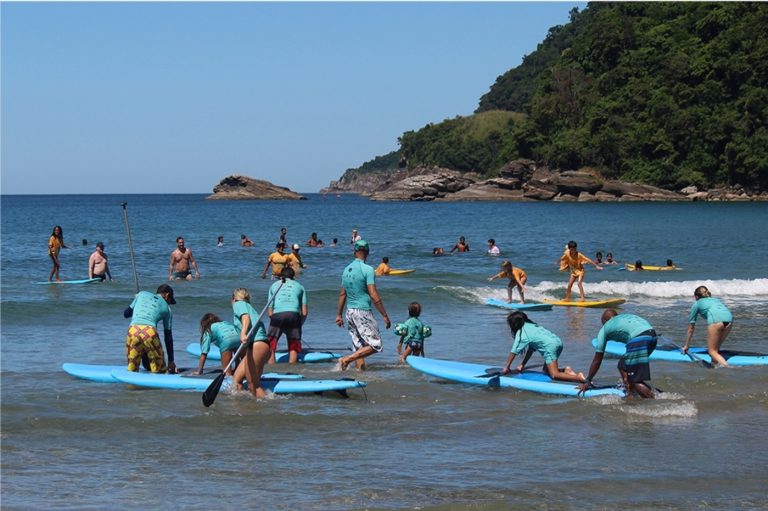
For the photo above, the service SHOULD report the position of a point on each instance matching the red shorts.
(293, 344)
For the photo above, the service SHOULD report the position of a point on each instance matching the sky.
(145, 97)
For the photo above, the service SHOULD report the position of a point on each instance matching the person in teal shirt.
(248, 322)
(412, 333)
(358, 292)
(142, 341)
(287, 313)
(222, 334)
(634, 367)
(719, 323)
(529, 336)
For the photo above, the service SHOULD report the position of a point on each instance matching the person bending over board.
(517, 279)
(146, 311)
(252, 365)
(719, 323)
(181, 260)
(287, 314)
(358, 292)
(412, 333)
(573, 261)
(55, 244)
(528, 335)
(640, 338)
(223, 334)
(383, 267)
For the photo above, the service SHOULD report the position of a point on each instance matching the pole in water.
(130, 247)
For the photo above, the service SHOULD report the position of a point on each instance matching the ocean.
(406, 441)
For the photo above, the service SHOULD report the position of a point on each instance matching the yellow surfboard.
(631, 267)
(400, 272)
(595, 304)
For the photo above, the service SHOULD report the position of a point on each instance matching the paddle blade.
(209, 396)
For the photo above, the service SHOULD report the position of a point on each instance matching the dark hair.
(179, 238)
(205, 324)
(702, 292)
(608, 314)
(516, 319)
(599, 255)
(638, 264)
(572, 244)
(670, 263)
(385, 259)
(287, 273)
(492, 241)
(414, 309)
(60, 236)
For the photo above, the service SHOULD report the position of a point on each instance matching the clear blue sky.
(172, 97)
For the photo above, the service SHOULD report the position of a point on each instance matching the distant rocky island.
(237, 187)
(518, 180)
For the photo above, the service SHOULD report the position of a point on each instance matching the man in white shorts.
(358, 291)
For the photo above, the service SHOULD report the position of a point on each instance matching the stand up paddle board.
(201, 383)
(81, 281)
(594, 304)
(103, 373)
(478, 374)
(670, 353)
(400, 272)
(530, 306)
(281, 357)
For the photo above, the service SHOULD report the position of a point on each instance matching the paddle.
(693, 357)
(130, 247)
(209, 396)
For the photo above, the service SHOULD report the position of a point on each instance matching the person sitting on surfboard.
(719, 323)
(383, 267)
(529, 336)
(461, 246)
(146, 311)
(640, 338)
(412, 333)
(573, 261)
(639, 265)
(517, 279)
(670, 265)
(219, 333)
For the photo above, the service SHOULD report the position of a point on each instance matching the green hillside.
(668, 94)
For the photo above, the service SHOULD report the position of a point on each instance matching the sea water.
(408, 441)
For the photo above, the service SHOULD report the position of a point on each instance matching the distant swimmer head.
(702, 292)
(608, 315)
(295, 246)
(670, 263)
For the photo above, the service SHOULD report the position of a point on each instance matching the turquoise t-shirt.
(290, 298)
(621, 328)
(712, 309)
(149, 309)
(415, 330)
(542, 340)
(223, 334)
(356, 278)
(241, 307)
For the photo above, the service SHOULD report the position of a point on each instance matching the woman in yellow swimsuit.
(572, 260)
(55, 244)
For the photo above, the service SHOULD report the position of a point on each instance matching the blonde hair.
(241, 293)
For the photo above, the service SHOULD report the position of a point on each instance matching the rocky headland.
(237, 187)
(519, 180)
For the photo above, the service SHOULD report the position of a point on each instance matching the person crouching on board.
(573, 261)
(529, 336)
(252, 365)
(222, 334)
(640, 338)
(146, 311)
(412, 333)
(719, 323)
(517, 279)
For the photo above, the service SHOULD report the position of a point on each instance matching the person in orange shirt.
(278, 259)
(517, 279)
(573, 261)
(383, 267)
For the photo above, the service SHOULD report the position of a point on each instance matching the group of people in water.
(287, 310)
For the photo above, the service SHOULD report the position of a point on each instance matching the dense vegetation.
(668, 93)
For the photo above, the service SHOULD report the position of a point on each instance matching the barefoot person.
(359, 292)
(634, 368)
(287, 313)
(528, 335)
(719, 323)
(181, 261)
(222, 334)
(251, 367)
(278, 259)
(573, 261)
(517, 279)
(146, 311)
(98, 265)
(55, 244)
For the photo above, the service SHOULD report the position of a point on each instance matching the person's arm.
(454, 248)
(378, 304)
(170, 268)
(526, 358)
(193, 263)
(304, 313)
(340, 308)
(266, 267)
(168, 335)
(688, 337)
(585, 259)
(91, 264)
(201, 364)
(245, 320)
(106, 268)
(593, 369)
(508, 363)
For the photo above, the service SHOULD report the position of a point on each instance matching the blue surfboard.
(478, 374)
(281, 357)
(278, 386)
(670, 353)
(531, 306)
(81, 281)
(103, 373)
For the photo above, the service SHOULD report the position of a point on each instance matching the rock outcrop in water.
(237, 187)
